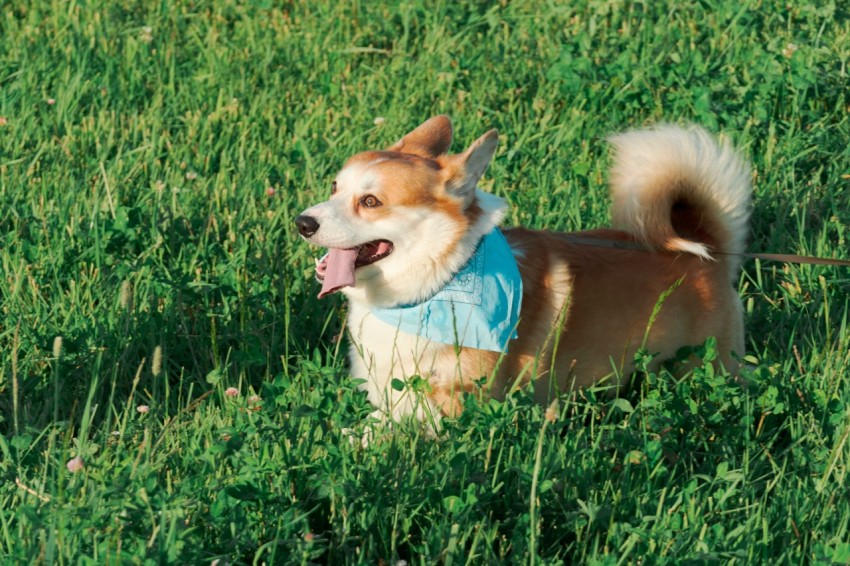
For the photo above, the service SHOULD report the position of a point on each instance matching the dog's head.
(400, 222)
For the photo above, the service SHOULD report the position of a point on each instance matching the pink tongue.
(340, 270)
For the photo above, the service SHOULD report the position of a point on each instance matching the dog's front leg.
(394, 407)
(395, 370)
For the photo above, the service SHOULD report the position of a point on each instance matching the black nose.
(307, 225)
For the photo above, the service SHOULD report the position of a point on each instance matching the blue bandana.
(479, 307)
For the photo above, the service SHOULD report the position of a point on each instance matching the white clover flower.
(789, 50)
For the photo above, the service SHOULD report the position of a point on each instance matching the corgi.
(437, 290)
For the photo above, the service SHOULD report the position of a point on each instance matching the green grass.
(138, 144)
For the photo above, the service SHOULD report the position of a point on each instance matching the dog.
(437, 290)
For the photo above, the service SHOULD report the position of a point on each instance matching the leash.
(635, 246)
(793, 258)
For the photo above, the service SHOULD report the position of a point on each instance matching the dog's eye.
(369, 201)
(333, 188)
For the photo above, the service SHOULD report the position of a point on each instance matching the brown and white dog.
(401, 222)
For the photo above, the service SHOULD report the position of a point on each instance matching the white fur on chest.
(380, 353)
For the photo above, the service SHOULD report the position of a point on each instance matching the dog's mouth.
(336, 269)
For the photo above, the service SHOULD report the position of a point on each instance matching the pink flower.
(144, 409)
(231, 392)
(270, 192)
(75, 465)
(254, 399)
(51, 101)
(3, 121)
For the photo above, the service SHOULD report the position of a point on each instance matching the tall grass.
(152, 157)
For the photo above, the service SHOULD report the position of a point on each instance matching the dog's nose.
(307, 225)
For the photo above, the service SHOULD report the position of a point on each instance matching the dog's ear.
(465, 169)
(431, 139)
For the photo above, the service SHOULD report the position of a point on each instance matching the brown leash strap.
(792, 258)
(784, 258)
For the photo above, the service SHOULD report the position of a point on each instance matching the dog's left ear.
(465, 169)
(430, 139)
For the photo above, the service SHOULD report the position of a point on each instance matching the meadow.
(172, 391)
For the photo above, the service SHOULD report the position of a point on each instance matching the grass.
(138, 145)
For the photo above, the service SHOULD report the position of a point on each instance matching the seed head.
(125, 297)
(156, 363)
(551, 413)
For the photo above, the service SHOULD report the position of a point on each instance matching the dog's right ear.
(465, 169)
(431, 139)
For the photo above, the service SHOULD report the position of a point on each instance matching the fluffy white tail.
(679, 190)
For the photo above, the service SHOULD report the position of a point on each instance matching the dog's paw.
(362, 437)
(377, 425)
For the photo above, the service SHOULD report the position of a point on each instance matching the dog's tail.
(679, 190)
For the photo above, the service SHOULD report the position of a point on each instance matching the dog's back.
(681, 204)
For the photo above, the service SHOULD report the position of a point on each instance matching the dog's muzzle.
(307, 225)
